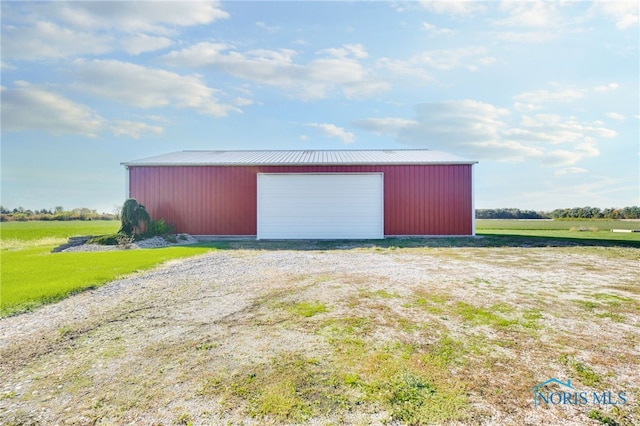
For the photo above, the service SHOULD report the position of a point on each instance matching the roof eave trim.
(429, 163)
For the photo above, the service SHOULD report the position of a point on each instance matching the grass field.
(30, 231)
(31, 275)
(561, 229)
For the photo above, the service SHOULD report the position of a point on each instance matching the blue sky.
(544, 94)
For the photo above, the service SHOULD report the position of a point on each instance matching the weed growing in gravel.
(307, 309)
(382, 294)
(612, 316)
(482, 316)
(602, 418)
(530, 319)
(411, 385)
(428, 301)
(585, 373)
(414, 386)
(7, 395)
(611, 299)
(288, 388)
(184, 419)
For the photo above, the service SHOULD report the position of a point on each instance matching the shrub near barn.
(136, 224)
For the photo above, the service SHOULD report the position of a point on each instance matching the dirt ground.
(246, 336)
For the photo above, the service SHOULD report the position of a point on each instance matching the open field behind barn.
(40, 230)
(452, 330)
(561, 229)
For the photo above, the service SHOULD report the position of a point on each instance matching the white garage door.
(320, 206)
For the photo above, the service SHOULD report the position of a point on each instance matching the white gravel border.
(154, 242)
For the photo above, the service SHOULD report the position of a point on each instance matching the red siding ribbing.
(221, 200)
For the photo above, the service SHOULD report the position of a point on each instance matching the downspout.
(127, 189)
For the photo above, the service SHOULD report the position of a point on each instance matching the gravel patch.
(138, 349)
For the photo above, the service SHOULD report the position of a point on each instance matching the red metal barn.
(344, 194)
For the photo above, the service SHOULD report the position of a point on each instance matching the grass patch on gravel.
(307, 309)
(406, 383)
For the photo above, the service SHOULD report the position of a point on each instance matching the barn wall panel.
(221, 200)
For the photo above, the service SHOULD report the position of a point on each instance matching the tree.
(116, 211)
(132, 216)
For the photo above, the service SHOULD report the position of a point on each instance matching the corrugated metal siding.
(219, 200)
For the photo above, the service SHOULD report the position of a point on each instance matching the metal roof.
(299, 158)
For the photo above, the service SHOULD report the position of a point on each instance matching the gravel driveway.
(137, 350)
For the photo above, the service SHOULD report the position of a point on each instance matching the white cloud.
(525, 107)
(46, 40)
(6, 66)
(144, 87)
(143, 16)
(480, 130)
(525, 36)
(453, 7)
(267, 28)
(405, 68)
(387, 125)
(27, 107)
(570, 170)
(435, 30)
(615, 116)
(529, 14)
(134, 129)
(144, 43)
(242, 102)
(54, 30)
(416, 67)
(338, 69)
(623, 12)
(356, 50)
(365, 89)
(333, 131)
(544, 96)
(606, 88)
(531, 21)
(469, 127)
(548, 131)
(447, 59)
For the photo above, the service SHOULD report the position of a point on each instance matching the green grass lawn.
(31, 275)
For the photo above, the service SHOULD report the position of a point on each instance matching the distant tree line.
(632, 212)
(570, 213)
(21, 214)
(510, 214)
